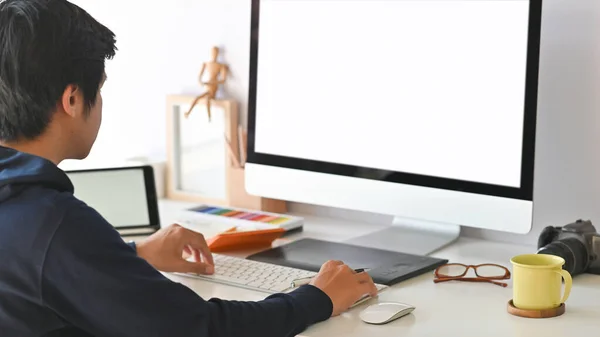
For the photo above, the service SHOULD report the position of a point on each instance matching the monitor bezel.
(524, 192)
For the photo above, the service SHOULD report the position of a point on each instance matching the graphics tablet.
(385, 267)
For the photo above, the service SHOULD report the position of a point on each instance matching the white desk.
(445, 309)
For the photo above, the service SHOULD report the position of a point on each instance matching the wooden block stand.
(235, 190)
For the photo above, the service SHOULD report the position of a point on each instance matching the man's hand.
(343, 285)
(165, 250)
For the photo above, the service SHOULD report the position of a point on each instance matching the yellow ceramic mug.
(537, 281)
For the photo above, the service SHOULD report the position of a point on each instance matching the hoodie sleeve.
(96, 282)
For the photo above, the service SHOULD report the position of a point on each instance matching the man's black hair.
(46, 45)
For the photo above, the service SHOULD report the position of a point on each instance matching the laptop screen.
(119, 195)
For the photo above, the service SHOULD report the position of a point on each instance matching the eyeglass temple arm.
(438, 280)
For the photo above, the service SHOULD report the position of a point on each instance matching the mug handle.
(568, 284)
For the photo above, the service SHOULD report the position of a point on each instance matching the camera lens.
(570, 249)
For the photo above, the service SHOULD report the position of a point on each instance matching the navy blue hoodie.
(64, 271)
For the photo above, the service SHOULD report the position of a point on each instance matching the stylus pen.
(306, 280)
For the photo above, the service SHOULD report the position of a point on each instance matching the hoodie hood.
(18, 170)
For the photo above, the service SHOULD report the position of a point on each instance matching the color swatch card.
(244, 219)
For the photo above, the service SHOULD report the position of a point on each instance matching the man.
(64, 271)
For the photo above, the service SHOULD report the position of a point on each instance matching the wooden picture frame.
(198, 156)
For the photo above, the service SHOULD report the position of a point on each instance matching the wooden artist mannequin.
(213, 71)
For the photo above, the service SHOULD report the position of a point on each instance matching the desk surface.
(445, 309)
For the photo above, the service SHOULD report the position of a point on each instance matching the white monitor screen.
(118, 195)
(434, 88)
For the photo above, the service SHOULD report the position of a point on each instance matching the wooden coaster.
(546, 313)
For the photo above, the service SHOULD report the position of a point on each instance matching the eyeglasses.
(488, 272)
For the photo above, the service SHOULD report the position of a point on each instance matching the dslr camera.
(577, 243)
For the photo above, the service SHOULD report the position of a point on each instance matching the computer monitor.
(422, 109)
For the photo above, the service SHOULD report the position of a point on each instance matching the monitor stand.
(410, 236)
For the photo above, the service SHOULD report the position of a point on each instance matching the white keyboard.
(258, 276)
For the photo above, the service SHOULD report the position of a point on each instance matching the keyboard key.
(225, 278)
(280, 287)
(255, 284)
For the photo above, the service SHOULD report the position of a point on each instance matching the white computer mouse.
(382, 313)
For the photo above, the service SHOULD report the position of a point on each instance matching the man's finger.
(331, 263)
(368, 288)
(196, 254)
(186, 252)
(345, 268)
(364, 277)
(197, 241)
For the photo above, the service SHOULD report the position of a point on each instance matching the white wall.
(163, 43)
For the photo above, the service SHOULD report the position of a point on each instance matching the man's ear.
(72, 100)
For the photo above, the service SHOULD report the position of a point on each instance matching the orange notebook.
(233, 239)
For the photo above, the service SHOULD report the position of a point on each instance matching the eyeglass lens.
(483, 271)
